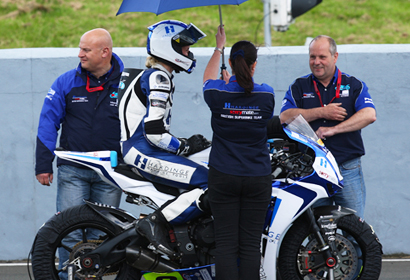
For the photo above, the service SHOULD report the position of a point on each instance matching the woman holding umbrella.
(239, 179)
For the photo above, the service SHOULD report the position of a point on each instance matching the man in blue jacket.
(83, 101)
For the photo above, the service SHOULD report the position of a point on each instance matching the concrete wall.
(26, 75)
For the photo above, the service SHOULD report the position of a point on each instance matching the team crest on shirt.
(368, 100)
(344, 93)
(240, 112)
(344, 90)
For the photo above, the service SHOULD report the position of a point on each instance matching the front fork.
(326, 247)
(323, 221)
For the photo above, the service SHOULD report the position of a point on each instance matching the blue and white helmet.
(166, 39)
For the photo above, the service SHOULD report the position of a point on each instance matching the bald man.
(96, 51)
(83, 101)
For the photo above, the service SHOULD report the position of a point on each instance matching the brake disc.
(345, 255)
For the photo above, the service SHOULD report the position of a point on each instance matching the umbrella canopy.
(161, 6)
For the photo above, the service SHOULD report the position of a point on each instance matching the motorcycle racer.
(146, 141)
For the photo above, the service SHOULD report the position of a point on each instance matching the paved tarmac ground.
(393, 269)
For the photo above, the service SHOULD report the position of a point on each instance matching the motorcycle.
(298, 241)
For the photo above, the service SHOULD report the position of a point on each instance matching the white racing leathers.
(147, 144)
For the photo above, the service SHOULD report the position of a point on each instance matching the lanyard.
(338, 84)
(99, 88)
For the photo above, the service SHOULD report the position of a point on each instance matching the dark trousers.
(238, 205)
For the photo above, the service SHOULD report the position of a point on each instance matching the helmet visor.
(189, 36)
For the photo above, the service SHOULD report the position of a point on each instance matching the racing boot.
(154, 228)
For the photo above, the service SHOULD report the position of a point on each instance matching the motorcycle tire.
(298, 248)
(49, 239)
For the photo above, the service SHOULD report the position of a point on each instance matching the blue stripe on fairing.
(303, 193)
(94, 158)
(103, 171)
(278, 201)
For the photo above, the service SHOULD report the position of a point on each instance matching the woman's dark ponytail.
(243, 55)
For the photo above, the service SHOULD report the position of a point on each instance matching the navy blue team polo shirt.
(354, 96)
(239, 127)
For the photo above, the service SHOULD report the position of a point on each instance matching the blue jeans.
(74, 186)
(353, 195)
(239, 205)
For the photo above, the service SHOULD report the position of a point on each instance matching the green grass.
(60, 23)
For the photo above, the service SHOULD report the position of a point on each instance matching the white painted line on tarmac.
(13, 264)
(16, 264)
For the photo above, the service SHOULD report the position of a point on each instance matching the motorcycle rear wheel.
(297, 252)
(49, 240)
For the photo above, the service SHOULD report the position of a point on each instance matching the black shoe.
(155, 231)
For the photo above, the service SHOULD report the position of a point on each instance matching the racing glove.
(192, 145)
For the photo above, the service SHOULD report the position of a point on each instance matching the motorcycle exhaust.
(147, 260)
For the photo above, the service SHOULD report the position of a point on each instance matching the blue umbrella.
(161, 6)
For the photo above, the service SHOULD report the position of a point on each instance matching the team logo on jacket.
(114, 103)
(79, 99)
(50, 93)
(308, 95)
(114, 95)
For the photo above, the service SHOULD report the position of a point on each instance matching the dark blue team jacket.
(89, 120)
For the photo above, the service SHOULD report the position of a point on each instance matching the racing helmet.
(166, 39)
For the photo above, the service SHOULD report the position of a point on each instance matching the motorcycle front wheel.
(51, 239)
(358, 252)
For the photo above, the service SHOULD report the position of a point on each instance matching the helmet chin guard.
(166, 39)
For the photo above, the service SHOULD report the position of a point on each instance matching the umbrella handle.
(220, 15)
(223, 67)
(223, 55)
